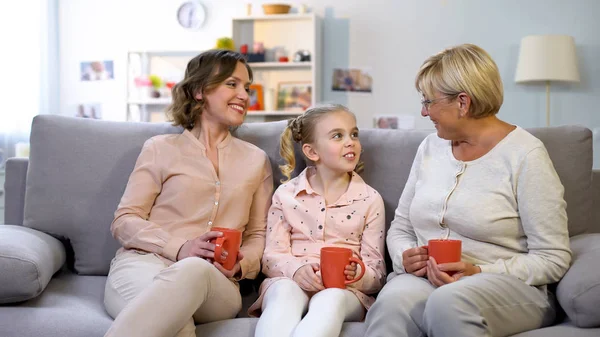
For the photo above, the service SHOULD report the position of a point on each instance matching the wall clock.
(191, 15)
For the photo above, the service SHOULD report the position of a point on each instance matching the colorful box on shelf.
(252, 57)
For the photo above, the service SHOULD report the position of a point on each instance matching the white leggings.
(285, 302)
(151, 299)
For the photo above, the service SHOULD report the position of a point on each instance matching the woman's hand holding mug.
(201, 247)
(444, 273)
(414, 261)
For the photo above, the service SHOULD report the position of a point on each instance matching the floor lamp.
(547, 58)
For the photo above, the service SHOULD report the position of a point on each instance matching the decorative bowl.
(276, 8)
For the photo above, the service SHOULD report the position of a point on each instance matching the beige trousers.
(149, 298)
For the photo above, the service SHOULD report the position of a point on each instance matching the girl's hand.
(306, 278)
(414, 260)
(438, 276)
(236, 268)
(350, 271)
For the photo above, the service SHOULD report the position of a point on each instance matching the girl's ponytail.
(286, 148)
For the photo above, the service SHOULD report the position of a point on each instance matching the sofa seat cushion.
(244, 327)
(70, 305)
(564, 329)
(28, 259)
(579, 290)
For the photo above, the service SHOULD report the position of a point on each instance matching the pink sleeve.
(278, 259)
(131, 226)
(372, 248)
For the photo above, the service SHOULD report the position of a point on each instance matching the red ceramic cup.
(333, 264)
(445, 251)
(230, 241)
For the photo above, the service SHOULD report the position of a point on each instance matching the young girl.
(326, 205)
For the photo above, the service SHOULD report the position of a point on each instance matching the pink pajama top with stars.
(299, 224)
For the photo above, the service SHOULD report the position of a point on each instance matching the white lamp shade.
(547, 58)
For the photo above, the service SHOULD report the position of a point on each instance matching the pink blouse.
(174, 194)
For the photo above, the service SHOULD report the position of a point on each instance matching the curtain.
(28, 69)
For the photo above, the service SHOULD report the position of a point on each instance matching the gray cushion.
(14, 189)
(28, 259)
(388, 156)
(579, 290)
(570, 149)
(71, 305)
(266, 136)
(78, 170)
(564, 329)
(595, 225)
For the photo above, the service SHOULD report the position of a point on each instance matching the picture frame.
(353, 79)
(96, 70)
(294, 96)
(256, 100)
(386, 122)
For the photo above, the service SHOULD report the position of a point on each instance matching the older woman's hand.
(414, 260)
(438, 276)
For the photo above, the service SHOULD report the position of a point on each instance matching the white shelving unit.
(169, 65)
(292, 32)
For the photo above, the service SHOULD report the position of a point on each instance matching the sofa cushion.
(579, 290)
(388, 156)
(71, 305)
(266, 136)
(78, 170)
(570, 149)
(564, 329)
(28, 259)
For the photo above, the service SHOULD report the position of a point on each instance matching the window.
(29, 50)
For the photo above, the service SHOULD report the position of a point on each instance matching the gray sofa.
(56, 248)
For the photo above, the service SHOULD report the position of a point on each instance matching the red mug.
(333, 264)
(445, 251)
(230, 241)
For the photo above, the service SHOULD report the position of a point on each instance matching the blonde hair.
(203, 73)
(465, 68)
(302, 130)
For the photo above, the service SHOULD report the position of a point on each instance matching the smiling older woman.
(489, 184)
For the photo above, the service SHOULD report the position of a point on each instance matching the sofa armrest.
(28, 259)
(579, 290)
(14, 187)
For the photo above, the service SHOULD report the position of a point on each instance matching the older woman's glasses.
(426, 103)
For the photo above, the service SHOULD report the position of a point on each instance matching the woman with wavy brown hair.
(164, 279)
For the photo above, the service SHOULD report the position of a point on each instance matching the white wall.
(393, 37)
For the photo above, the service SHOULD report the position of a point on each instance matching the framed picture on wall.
(294, 96)
(386, 122)
(257, 97)
(96, 70)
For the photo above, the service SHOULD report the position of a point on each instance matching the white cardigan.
(507, 207)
